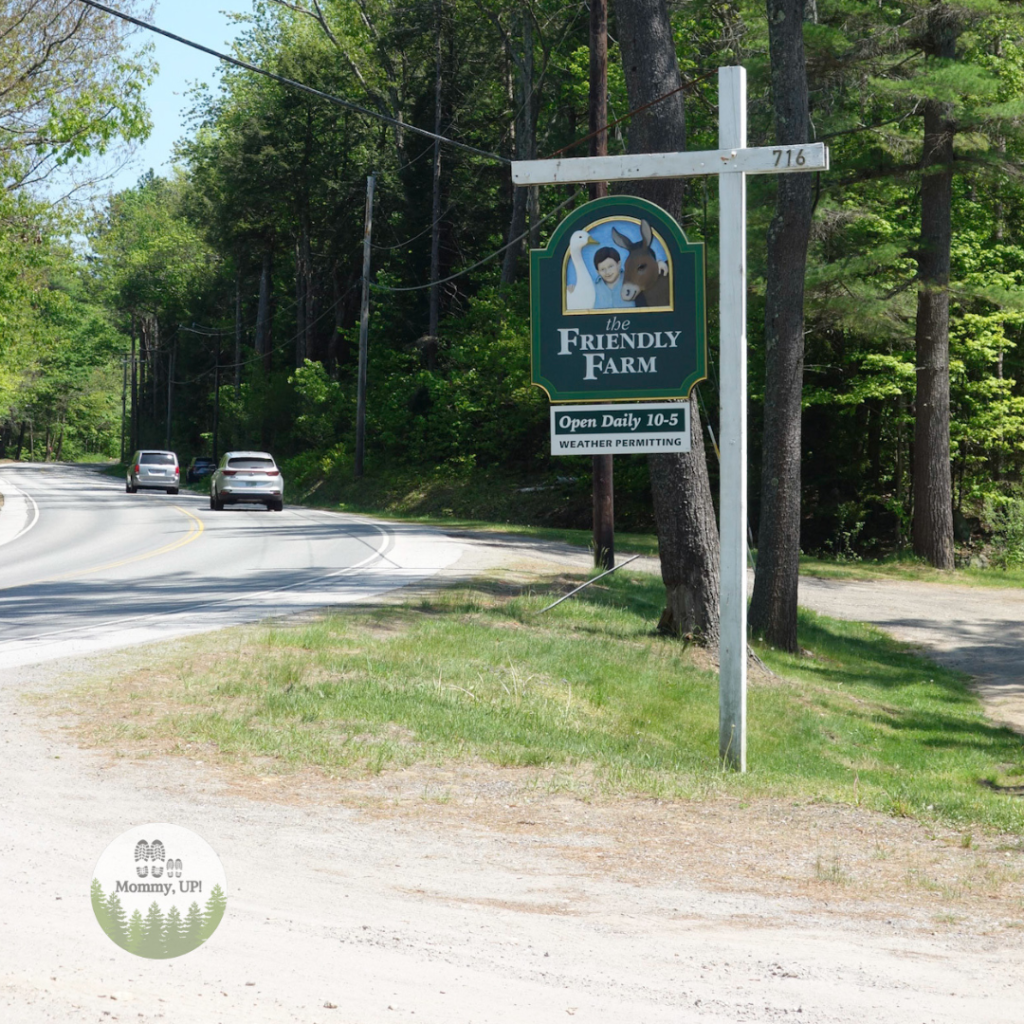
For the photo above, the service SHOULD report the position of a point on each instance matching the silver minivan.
(151, 468)
(247, 477)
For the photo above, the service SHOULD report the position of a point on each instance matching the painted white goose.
(583, 294)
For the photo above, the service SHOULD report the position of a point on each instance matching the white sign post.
(732, 162)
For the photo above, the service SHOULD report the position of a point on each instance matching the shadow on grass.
(997, 788)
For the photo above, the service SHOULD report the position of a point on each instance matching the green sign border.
(591, 211)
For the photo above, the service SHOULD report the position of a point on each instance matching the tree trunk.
(135, 397)
(435, 208)
(933, 484)
(263, 312)
(302, 319)
(525, 148)
(337, 348)
(21, 441)
(171, 360)
(773, 609)
(238, 331)
(687, 532)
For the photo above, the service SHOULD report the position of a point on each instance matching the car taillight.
(229, 472)
(177, 471)
(136, 467)
(273, 472)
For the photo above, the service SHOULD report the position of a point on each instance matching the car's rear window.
(157, 459)
(251, 463)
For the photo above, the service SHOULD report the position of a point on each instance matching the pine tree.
(680, 487)
(116, 920)
(215, 907)
(193, 927)
(136, 932)
(98, 905)
(153, 933)
(922, 77)
(773, 609)
(174, 934)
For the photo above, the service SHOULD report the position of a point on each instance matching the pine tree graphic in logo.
(172, 905)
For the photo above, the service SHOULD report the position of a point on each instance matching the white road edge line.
(35, 512)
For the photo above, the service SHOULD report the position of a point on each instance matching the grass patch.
(585, 696)
(909, 568)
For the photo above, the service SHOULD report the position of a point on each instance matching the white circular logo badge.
(159, 891)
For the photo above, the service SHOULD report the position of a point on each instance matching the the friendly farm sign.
(618, 305)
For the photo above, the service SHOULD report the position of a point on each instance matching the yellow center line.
(195, 530)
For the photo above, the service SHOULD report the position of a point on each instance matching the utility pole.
(603, 467)
(364, 330)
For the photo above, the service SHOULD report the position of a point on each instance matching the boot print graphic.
(156, 852)
(141, 854)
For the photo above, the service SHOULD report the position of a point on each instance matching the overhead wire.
(259, 356)
(479, 263)
(291, 83)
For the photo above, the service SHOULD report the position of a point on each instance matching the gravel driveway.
(978, 630)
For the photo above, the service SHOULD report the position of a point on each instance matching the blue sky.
(180, 67)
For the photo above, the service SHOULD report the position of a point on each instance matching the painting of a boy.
(608, 264)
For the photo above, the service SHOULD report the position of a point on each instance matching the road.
(85, 567)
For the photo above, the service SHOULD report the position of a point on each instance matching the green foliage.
(320, 402)
(1005, 517)
(269, 191)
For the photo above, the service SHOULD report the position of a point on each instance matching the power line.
(213, 332)
(486, 259)
(292, 83)
(409, 241)
(625, 117)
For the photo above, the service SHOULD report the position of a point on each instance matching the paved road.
(86, 567)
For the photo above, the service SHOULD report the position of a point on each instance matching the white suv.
(247, 477)
(153, 469)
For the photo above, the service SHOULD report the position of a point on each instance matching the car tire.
(172, 490)
(214, 504)
(278, 506)
(128, 489)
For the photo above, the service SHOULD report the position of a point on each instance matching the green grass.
(909, 568)
(588, 698)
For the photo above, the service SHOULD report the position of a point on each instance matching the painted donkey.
(642, 278)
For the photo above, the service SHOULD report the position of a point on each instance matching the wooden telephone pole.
(364, 331)
(603, 468)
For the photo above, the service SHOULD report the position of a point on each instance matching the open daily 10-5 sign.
(617, 304)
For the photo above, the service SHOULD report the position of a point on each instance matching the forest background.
(236, 279)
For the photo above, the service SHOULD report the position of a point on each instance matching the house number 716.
(799, 160)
